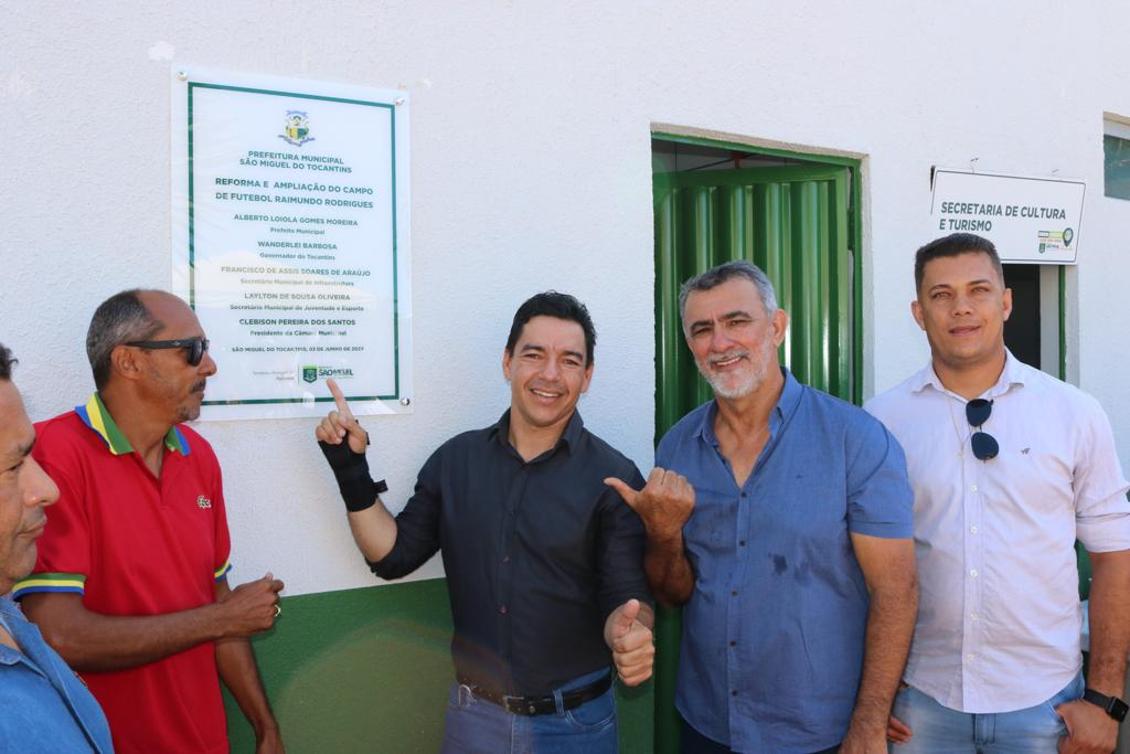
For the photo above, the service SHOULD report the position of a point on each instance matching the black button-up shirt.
(537, 553)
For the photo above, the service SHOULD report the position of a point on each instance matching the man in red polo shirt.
(130, 586)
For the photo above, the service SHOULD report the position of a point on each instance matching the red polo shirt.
(134, 544)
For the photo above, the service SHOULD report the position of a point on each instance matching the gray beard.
(750, 384)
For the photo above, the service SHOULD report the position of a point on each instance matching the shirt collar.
(1013, 374)
(8, 656)
(7, 609)
(790, 396)
(570, 437)
(95, 416)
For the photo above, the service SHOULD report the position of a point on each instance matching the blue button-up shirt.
(773, 635)
(44, 707)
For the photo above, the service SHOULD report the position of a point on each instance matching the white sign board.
(290, 240)
(1032, 220)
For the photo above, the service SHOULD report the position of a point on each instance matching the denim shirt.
(44, 707)
(773, 634)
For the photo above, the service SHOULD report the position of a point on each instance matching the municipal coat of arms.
(296, 130)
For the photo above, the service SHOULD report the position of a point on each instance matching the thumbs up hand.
(630, 638)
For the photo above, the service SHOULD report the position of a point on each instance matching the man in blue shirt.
(43, 705)
(781, 517)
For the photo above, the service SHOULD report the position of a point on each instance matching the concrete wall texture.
(531, 169)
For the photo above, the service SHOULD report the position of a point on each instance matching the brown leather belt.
(541, 705)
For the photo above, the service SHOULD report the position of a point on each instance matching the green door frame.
(855, 231)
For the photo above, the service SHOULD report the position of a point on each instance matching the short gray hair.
(715, 276)
(117, 320)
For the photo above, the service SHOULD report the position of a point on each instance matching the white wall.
(531, 169)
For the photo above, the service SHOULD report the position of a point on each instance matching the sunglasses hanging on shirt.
(985, 446)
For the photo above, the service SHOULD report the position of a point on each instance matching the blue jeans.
(940, 730)
(476, 726)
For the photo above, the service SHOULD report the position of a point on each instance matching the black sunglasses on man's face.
(985, 446)
(195, 347)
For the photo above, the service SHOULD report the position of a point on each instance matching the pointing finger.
(339, 398)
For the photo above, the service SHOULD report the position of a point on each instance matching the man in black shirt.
(544, 562)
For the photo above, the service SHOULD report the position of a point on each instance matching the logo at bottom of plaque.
(312, 373)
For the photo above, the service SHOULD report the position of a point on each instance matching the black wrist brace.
(351, 470)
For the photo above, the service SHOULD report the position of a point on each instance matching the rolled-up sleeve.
(417, 526)
(621, 549)
(1102, 512)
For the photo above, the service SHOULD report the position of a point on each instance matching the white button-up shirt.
(999, 616)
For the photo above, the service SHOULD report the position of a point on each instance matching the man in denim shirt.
(43, 705)
(781, 517)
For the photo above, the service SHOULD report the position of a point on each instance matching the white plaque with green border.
(290, 224)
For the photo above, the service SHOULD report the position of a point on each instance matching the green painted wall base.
(367, 670)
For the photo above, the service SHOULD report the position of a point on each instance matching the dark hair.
(553, 304)
(715, 276)
(954, 245)
(6, 363)
(118, 319)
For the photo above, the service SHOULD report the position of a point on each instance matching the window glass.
(1116, 160)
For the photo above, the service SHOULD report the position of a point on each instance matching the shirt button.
(734, 693)
(502, 609)
(971, 657)
(972, 529)
(505, 558)
(973, 488)
(743, 495)
(733, 643)
(973, 573)
(741, 543)
(973, 616)
(733, 592)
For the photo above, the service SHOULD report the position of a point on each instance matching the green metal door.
(794, 223)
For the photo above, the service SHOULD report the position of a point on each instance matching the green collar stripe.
(95, 416)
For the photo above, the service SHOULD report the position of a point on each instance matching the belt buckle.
(518, 705)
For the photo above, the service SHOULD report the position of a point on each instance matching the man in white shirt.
(1009, 466)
